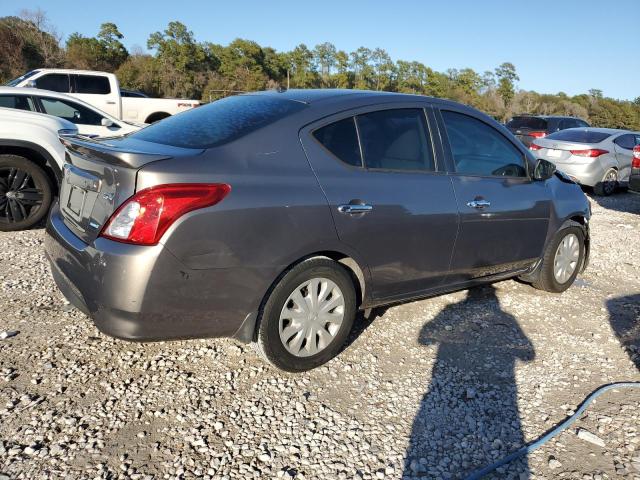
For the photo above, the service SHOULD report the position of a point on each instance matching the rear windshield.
(219, 122)
(579, 135)
(534, 123)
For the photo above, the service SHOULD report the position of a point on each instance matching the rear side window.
(533, 123)
(219, 122)
(479, 149)
(396, 140)
(56, 82)
(579, 136)
(626, 141)
(19, 102)
(341, 139)
(92, 84)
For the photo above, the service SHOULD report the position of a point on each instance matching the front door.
(389, 200)
(504, 215)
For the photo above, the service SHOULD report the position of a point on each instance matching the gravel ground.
(430, 389)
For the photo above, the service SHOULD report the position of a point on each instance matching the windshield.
(16, 81)
(579, 135)
(219, 122)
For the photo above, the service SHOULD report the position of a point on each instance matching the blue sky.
(561, 45)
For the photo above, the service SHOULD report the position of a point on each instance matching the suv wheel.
(608, 184)
(307, 316)
(25, 193)
(562, 261)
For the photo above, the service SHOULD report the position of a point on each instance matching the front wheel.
(562, 261)
(307, 316)
(25, 193)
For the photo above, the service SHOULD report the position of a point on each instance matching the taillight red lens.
(635, 161)
(534, 147)
(143, 219)
(591, 152)
(537, 134)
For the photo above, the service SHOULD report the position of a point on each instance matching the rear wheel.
(562, 261)
(25, 193)
(308, 316)
(608, 184)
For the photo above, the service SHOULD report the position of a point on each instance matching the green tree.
(325, 57)
(103, 52)
(507, 77)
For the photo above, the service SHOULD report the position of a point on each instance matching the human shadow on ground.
(624, 316)
(469, 416)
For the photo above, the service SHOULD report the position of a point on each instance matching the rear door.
(624, 153)
(98, 91)
(390, 200)
(504, 215)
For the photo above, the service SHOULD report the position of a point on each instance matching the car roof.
(545, 117)
(70, 70)
(317, 95)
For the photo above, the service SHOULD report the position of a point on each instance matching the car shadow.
(622, 201)
(469, 416)
(624, 316)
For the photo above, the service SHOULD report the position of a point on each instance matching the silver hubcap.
(311, 317)
(566, 259)
(610, 180)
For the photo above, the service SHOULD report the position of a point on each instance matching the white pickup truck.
(102, 90)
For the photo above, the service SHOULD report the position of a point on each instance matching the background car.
(273, 217)
(31, 159)
(527, 128)
(89, 120)
(594, 157)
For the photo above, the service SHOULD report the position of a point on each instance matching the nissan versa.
(273, 217)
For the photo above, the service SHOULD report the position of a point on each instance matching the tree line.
(182, 66)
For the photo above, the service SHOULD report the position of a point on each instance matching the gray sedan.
(595, 157)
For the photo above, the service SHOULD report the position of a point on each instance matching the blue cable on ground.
(545, 438)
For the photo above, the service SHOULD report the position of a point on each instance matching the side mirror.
(544, 170)
(105, 122)
(31, 84)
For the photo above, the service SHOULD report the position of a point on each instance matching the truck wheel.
(25, 193)
(156, 117)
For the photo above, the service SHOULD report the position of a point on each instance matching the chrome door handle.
(111, 103)
(478, 204)
(354, 209)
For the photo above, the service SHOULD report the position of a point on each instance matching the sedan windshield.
(579, 135)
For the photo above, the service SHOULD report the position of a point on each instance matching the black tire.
(25, 193)
(607, 186)
(268, 342)
(544, 276)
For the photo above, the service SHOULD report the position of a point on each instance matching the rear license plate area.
(75, 202)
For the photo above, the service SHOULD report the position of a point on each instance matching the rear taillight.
(591, 152)
(635, 161)
(534, 147)
(143, 219)
(537, 134)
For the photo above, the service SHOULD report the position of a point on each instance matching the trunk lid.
(100, 175)
(559, 151)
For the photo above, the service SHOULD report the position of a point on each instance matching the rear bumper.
(634, 181)
(588, 174)
(145, 293)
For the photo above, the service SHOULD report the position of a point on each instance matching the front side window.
(71, 111)
(396, 140)
(19, 102)
(341, 139)
(56, 82)
(92, 84)
(479, 149)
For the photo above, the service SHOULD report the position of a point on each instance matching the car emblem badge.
(108, 197)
